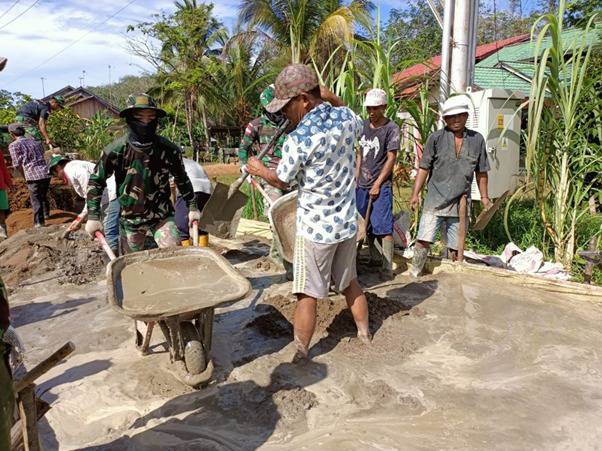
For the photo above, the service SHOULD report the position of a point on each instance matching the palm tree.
(309, 28)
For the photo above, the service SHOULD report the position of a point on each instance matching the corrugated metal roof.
(524, 52)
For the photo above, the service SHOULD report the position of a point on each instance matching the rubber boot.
(420, 254)
(3, 232)
(388, 251)
(185, 242)
(375, 251)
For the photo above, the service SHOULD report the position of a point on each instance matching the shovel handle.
(105, 246)
(195, 233)
(236, 185)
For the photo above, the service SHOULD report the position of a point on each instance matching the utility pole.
(448, 19)
(81, 83)
(460, 50)
(43, 90)
(110, 87)
(83, 79)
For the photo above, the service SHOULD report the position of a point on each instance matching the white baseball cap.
(376, 97)
(456, 105)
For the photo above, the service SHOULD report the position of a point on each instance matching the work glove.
(93, 226)
(193, 215)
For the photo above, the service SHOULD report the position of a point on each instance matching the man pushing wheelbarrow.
(142, 162)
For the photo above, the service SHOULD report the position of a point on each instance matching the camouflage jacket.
(260, 132)
(142, 178)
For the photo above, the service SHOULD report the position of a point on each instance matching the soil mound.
(23, 219)
(37, 254)
(60, 196)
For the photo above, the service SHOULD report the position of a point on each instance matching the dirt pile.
(23, 219)
(60, 197)
(37, 254)
(216, 170)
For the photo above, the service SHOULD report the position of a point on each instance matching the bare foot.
(365, 339)
(300, 358)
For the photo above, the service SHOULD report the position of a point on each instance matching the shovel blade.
(221, 210)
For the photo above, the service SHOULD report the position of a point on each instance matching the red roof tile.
(433, 64)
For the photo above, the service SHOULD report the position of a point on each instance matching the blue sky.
(51, 25)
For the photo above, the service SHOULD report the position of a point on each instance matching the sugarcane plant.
(564, 129)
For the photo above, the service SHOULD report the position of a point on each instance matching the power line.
(71, 44)
(31, 6)
(8, 10)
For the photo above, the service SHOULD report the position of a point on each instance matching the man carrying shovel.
(260, 132)
(33, 116)
(319, 153)
(76, 173)
(450, 159)
(379, 143)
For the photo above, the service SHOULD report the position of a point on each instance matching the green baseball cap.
(267, 96)
(141, 101)
(56, 159)
(60, 100)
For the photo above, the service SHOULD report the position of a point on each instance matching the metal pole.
(435, 13)
(110, 87)
(459, 62)
(448, 18)
(472, 49)
(43, 90)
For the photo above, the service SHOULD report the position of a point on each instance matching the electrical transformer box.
(492, 112)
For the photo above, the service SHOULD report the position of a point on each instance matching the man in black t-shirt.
(33, 116)
(379, 144)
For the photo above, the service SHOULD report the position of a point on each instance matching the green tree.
(579, 12)
(118, 92)
(11, 100)
(306, 28)
(184, 60)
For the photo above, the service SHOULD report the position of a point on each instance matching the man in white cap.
(450, 159)
(379, 143)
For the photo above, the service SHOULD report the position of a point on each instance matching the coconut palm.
(305, 28)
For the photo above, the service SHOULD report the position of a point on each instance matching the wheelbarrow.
(178, 288)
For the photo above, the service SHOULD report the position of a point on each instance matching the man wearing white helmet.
(450, 159)
(379, 143)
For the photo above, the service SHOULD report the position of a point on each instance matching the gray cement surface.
(457, 362)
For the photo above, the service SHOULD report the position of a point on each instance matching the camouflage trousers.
(31, 128)
(165, 234)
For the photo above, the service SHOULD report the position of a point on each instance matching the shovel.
(486, 215)
(223, 210)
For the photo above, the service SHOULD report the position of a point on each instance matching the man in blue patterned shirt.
(320, 155)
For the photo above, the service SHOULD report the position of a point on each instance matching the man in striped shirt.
(28, 155)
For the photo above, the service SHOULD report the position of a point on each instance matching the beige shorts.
(315, 263)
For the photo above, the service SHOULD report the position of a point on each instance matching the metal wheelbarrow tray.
(179, 288)
(283, 219)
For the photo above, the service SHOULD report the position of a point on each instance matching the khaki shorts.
(315, 263)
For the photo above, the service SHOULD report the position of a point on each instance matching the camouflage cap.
(292, 81)
(141, 101)
(60, 100)
(267, 96)
(56, 159)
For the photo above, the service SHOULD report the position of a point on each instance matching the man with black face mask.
(142, 162)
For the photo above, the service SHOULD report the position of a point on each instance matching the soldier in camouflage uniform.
(259, 133)
(142, 163)
(33, 116)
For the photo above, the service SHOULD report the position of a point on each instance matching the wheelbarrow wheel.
(194, 353)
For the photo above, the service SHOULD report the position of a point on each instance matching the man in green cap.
(33, 116)
(258, 134)
(142, 162)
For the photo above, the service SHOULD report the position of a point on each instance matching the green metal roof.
(493, 77)
(524, 52)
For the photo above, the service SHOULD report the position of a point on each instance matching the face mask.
(276, 118)
(141, 132)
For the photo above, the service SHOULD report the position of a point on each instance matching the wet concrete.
(457, 361)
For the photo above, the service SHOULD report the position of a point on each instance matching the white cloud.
(50, 26)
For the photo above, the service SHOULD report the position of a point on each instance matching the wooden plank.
(43, 367)
(26, 402)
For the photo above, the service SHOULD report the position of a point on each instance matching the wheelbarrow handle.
(236, 185)
(195, 233)
(105, 246)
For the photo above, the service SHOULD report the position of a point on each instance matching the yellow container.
(203, 239)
